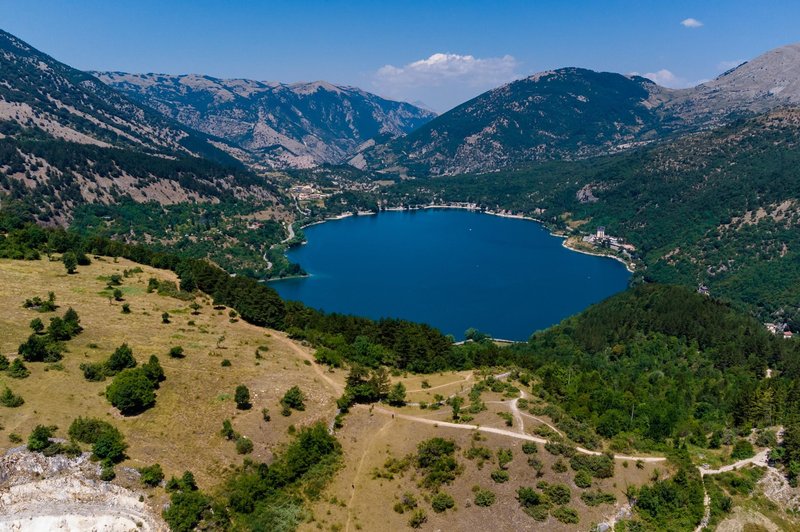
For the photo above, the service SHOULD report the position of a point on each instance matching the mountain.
(278, 125)
(718, 207)
(67, 139)
(574, 113)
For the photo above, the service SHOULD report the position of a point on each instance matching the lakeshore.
(450, 268)
(630, 265)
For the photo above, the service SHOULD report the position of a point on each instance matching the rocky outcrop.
(39, 493)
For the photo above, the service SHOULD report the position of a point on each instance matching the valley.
(232, 304)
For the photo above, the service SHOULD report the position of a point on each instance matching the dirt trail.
(305, 355)
(367, 449)
(504, 432)
(466, 379)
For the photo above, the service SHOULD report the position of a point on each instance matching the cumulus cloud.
(667, 78)
(691, 23)
(445, 79)
(442, 68)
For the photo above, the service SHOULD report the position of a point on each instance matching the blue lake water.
(453, 269)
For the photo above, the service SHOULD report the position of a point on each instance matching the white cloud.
(441, 68)
(691, 23)
(444, 79)
(666, 78)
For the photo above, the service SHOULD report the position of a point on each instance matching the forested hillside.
(67, 139)
(718, 208)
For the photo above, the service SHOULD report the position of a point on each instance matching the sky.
(440, 53)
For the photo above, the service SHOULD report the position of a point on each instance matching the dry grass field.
(182, 431)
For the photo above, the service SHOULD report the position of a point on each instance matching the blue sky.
(439, 52)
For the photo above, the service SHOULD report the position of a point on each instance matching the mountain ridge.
(572, 113)
(280, 125)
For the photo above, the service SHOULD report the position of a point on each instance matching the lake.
(451, 268)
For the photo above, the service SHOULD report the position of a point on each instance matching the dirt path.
(305, 355)
(503, 432)
(465, 379)
(357, 475)
(290, 230)
(760, 460)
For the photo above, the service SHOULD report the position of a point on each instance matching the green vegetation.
(484, 497)
(151, 476)
(132, 391)
(293, 399)
(242, 397)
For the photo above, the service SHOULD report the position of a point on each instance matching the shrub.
(110, 446)
(560, 466)
(530, 448)
(70, 261)
(600, 466)
(40, 348)
(117, 294)
(37, 325)
(153, 371)
(227, 431)
(165, 317)
(126, 308)
(88, 429)
(131, 392)
(176, 352)
(484, 498)
(294, 398)
(418, 518)
(566, 515)
(4, 363)
(18, 370)
(265, 414)
(9, 399)
(244, 445)
(500, 476)
(40, 437)
(557, 493)
(504, 457)
(226, 363)
(742, 449)
(14, 438)
(242, 397)
(397, 395)
(442, 502)
(94, 372)
(435, 457)
(107, 474)
(596, 498)
(121, 358)
(151, 475)
(583, 479)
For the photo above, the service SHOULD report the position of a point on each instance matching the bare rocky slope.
(575, 113)
(39, 493)
(295, 125)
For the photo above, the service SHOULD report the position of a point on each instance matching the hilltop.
(573, 113)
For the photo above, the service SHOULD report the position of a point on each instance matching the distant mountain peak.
(574, 112)
(278, 124)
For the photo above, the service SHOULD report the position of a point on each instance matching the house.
(601, 232)
(703, 290)
(787, 334)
